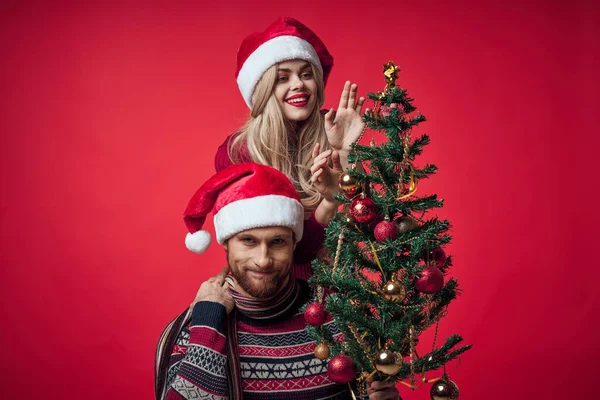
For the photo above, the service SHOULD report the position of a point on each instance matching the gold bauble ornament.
(322, 351)
(388, 362)
(406, 223)
(444, 389)
(394, 290)
(349, 184)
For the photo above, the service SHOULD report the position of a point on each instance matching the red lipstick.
(298, 100)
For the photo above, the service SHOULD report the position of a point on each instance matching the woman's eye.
(307, 75)
(282, 79)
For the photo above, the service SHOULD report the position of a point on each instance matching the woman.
(281, 74)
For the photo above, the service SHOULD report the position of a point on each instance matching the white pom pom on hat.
(242, 197)
(198, 242)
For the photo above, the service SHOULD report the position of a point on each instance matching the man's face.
(260, 259)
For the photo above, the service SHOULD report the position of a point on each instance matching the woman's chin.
(297, 116)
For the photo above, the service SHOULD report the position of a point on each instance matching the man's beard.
(268, 287)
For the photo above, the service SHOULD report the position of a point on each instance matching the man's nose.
(263, 257)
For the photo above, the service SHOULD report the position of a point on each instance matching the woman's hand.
(344, 126)
(324, 178)
(380, 390)
(216, 289)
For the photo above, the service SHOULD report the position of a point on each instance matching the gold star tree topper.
(390, 70)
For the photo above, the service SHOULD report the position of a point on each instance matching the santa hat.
(286, 39)
(242, 196)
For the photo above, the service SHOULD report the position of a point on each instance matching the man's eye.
(278, 242)
(248, 241)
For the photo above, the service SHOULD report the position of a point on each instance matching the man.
(246, 337)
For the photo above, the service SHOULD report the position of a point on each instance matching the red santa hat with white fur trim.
(242, 197)
(285, 39)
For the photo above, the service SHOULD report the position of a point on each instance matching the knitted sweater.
(276, 359)
(314, 233)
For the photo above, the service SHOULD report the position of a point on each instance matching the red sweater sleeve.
(201, 363)
(313, 238)
(222, 159)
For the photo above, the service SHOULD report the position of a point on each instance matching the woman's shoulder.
(224, 152)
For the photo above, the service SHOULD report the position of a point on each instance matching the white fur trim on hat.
(281, 48)
(198, 242)
(259, 212)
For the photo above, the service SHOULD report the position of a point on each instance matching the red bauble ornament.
(385, 111)
(436, 257)
(341, 369)
(430, 280)
(385, 230)
(315, 314)
(363, 211)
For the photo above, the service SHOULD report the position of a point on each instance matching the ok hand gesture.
(324, 178)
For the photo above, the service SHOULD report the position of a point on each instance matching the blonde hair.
(274, 141)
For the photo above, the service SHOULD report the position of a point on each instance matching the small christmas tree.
(384, 279)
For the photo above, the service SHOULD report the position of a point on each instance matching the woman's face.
(296, 89)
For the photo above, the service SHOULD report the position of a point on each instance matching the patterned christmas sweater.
(276, 359)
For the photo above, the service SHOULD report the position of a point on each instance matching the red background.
(110, 116)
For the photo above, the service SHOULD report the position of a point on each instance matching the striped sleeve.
(198, 367)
